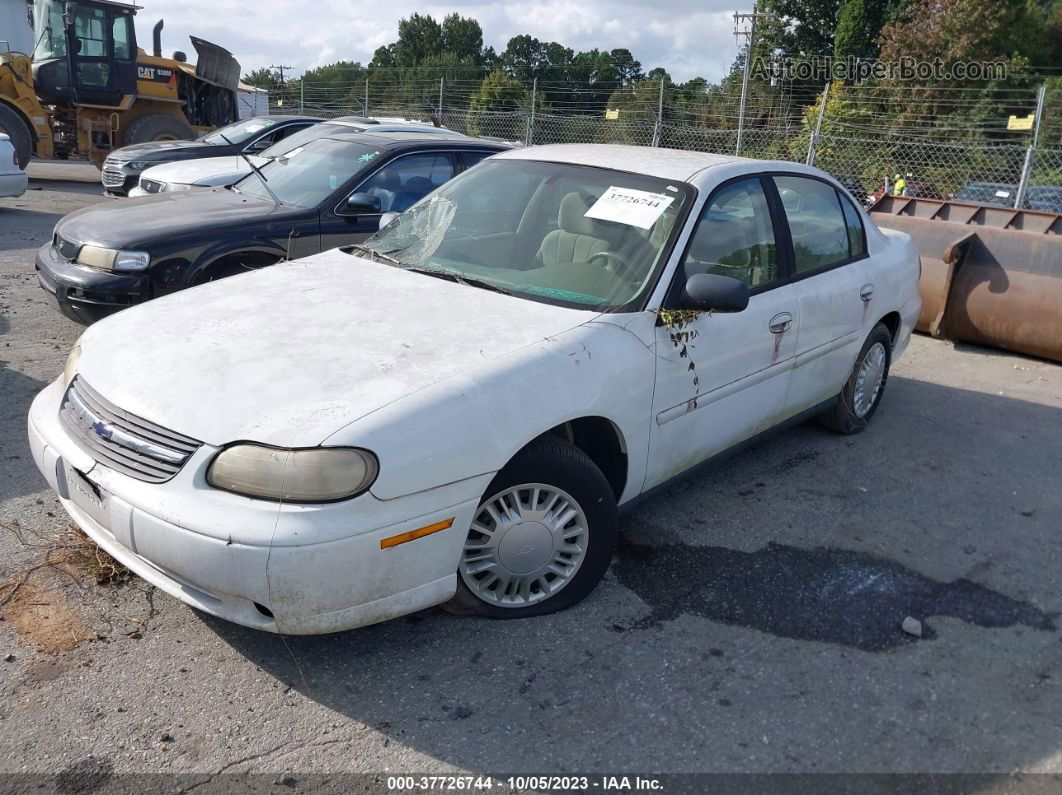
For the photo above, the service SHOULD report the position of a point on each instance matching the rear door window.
(816, 223)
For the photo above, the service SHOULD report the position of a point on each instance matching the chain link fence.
(867, 164)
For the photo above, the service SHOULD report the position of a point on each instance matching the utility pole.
(366, 97)
(1030, 153)
(440, 99)
(280, 82)
(749, 34)
(280, 70)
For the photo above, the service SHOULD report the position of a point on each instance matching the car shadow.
(18, 475)
(770, 588)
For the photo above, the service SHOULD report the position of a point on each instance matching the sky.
(689, 38)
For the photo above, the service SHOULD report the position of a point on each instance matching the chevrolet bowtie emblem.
(102, 429)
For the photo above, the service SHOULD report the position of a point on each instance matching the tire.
(854, 407)
(158, 127)
(555, 578)
(12, 124)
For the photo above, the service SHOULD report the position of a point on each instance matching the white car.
(455, 410)
(221, 172)
(13, 180)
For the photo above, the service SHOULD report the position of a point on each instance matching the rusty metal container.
(989, 275)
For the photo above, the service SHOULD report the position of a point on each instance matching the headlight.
(70, 370)
(132, 261)
(173, 187)
(318, 474)
(109, 259)
(139, 165)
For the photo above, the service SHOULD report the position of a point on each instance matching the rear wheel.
(15, 128)
(158, 127)
(542, 537)
(862, 392)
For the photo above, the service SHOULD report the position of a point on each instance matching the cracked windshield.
(569, 235)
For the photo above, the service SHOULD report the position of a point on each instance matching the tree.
(627, 69)
(261, 78)
(419, 37)
(524, 58)
(798, 28)
(463, 37)
(495, 108)
(859, 25)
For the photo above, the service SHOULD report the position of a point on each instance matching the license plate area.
(88, 496)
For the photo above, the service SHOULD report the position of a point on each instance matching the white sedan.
(221, 172)
(454, 411)
(13, 180)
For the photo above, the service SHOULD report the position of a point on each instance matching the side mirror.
(387, 218)
(715, 293)
(361, 203)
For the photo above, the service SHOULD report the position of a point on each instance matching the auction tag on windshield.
(628, 206)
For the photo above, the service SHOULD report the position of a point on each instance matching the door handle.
(866, 292)
(780, 323)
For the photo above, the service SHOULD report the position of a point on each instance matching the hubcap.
(525, 544)
(869, 379)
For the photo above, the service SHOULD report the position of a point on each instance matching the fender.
(212, 256)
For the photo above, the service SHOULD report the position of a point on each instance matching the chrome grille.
(120, 440)
(113, 176)
(150, 185)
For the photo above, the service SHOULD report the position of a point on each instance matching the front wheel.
(542, 537)
(862, 391)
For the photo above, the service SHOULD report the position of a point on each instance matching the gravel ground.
(750, 623)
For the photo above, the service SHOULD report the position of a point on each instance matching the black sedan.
(121, 170)
(327, 193)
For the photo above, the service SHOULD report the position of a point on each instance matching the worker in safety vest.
(899, 185)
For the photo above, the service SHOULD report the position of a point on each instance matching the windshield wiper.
(373, 254)
(456, 277)
(261, 176)
(224, 138)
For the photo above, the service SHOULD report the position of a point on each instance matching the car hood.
(207, 169)
(168, 150)
(145, 220)
(290, 354)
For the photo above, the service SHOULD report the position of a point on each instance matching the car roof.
(674, 164)
(390, 139)
(282, 117)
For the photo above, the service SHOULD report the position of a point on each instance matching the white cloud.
(687, 38)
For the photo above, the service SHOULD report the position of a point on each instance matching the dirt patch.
(33, 600)
(44, 619)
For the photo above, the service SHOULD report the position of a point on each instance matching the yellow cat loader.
(87, 88)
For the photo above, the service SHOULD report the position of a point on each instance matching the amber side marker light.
(413, 535)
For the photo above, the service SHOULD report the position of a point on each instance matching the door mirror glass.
(387, 218)
(361, 204)
(711, 292)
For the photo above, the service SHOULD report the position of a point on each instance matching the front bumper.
(13, 185)
(315, 568)
(85, 294)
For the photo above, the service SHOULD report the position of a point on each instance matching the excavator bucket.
(215, 64)
(990, 275)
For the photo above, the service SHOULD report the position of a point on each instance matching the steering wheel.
(614, 263)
